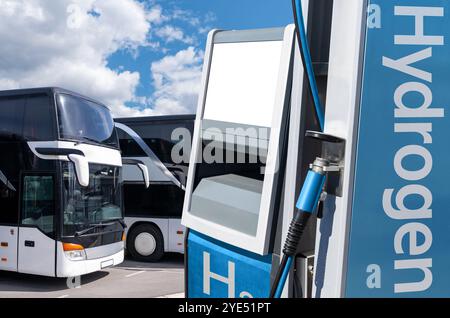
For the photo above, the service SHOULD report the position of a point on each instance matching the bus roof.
(127, 120)
(45, 90)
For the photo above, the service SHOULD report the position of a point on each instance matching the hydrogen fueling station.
(349, 197)
(314, 166)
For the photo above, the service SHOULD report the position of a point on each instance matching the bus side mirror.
(81, 168)
(75, 156)
(144, 170)
(141, 167)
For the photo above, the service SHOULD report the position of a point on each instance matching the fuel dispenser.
(253, 81)
(351, 206)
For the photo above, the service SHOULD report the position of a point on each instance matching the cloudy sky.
(140, 57)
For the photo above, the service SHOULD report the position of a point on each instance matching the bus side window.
(38, 207)
(130, 148)
(159, 201)
(11, 116)
(39, 119)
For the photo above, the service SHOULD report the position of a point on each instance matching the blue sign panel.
(400, 229)
(219, 270)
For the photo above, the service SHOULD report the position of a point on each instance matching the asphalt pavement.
(128, 280)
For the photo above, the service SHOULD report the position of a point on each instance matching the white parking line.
(177, 295)
(134, 274)
(150, 269)
(153, 270)
(63, 296)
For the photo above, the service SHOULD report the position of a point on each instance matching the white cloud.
(156, 16)
(171, 33)
(67, 43)
(177, 80)
(186, 16)
(58, 43)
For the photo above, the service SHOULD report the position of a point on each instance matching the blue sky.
(222, 14)
(139, 57)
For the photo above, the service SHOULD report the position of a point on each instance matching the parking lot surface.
(128, 280)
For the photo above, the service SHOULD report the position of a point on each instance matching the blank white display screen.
(242, 82)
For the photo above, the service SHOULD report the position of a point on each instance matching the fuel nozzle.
(307, 202)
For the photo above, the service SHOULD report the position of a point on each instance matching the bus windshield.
(83, 120)
(98, 203)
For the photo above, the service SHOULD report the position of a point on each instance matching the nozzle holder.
(323, 137)
(333, 151)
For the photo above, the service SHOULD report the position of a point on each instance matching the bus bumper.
(95, 261)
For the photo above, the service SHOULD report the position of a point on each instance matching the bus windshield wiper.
(121, 221)
(92, 227)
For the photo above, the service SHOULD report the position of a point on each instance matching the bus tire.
(145, 243)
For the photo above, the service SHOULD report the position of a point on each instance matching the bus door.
(8, 224)
(36, 225)
(10, 163)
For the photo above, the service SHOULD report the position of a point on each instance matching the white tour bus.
(60, 184)
(153, 215)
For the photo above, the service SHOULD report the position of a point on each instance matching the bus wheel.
(146, 243)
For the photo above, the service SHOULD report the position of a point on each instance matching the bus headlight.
(74, 252)
(76, 255)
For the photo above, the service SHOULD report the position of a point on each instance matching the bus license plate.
(107, 263)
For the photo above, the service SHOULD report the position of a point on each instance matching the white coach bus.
(153, 215)
(60, 184)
